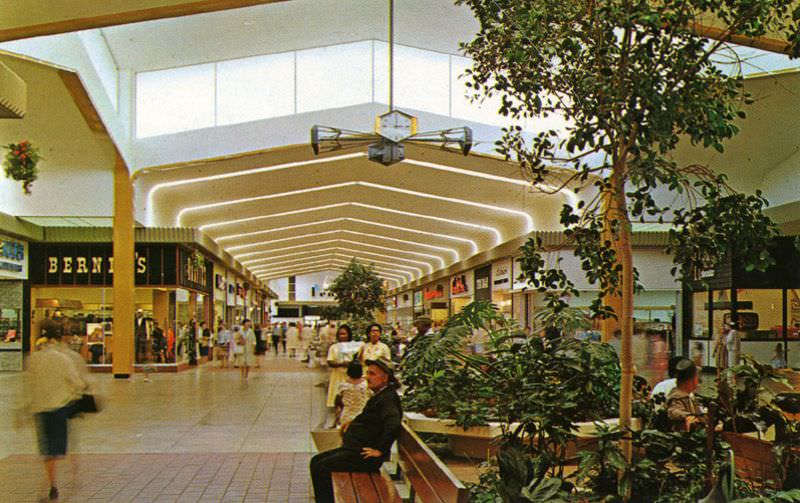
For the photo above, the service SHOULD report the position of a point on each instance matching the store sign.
(195, 274)
(458, 284)
(418, 298)
(483, 289)
(93, 264)
(13, 258)
(219, 282)
(436, 292)
(501, 275)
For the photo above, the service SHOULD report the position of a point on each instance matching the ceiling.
(283, 211)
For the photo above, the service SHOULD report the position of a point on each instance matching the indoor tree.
(358, 292)
(631, 80)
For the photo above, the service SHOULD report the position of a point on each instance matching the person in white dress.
(374, 349)
(247, 358)
(306, 334)
(292, 340)
(339, 356)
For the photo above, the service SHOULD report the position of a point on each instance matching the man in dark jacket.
(367, 440)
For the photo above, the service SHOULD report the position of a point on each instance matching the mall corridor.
(197, 435)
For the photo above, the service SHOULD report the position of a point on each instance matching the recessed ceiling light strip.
(359, 255)
(383, 255)
(320, 258)
(292, 270)
(359, 243)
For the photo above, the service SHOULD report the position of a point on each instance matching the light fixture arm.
(391, 55)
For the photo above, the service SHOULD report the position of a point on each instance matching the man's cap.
(385, 365)
(423, 319)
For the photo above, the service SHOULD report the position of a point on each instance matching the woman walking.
(247, 356)
(56, 383)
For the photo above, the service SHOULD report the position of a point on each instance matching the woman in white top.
(339, 356)
(374, 349)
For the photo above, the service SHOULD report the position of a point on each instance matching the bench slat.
(431, 479)
(385, 488)
(343, 490)
(364, 488)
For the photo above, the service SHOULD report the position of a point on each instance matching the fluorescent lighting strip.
(394, 268)
(319, 258)
(176, 183)
(456, 255)
(359, 255)
(333, 267)
(205, 227)
(441, 262)
(472, 243)
(291, 270)
(528, 219)
(393, 257)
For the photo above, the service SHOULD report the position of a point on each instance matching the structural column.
(124, 283)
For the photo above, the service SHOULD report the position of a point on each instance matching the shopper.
(374, 349)
(352, 395)
(306, 335)
(248, 356)
(367, 440)
(284, 330)
(733, 343)
(339, 356)
(778, 361)
(159, 343)
(664, 387)
(56, 383)
(682, 411)
(222, 345)
(276, 337)
(292, 340)
(205, 338)
(260, 345)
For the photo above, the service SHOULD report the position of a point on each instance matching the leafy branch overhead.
(629, 82)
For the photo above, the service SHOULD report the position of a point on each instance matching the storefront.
(436, 301)
(71, 285)
(766, 306)
(419, 307)
(501, 285)
(405, 309)
(13, 309)
(461, 288)
(483, 283)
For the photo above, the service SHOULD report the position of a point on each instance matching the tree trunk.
(617, 211)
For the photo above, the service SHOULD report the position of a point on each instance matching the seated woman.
(682, 410)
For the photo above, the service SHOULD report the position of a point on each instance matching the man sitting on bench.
(367, 440)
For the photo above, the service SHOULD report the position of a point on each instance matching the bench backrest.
(430, 478)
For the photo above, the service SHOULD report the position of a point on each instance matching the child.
(353, 394)
(778, 361)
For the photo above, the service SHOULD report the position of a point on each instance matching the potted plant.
(20, 163)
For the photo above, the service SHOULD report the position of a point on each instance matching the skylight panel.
(334, 77)
(255, 88)
(174, 100)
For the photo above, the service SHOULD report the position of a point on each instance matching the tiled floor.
(195, 436)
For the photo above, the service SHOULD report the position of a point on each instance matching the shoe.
(53, 494)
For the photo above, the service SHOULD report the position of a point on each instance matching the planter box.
(477, 442)
(753, 457)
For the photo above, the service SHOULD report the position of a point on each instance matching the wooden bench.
(364, 488)
(430, 479)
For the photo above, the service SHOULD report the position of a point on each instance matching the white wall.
(304, 283)
(77, 166)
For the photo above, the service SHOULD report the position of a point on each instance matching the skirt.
(52, 429)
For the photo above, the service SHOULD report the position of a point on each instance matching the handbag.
(86, 404)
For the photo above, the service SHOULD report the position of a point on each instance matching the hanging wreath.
(20, 163)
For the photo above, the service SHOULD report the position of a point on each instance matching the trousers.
(342, 459)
